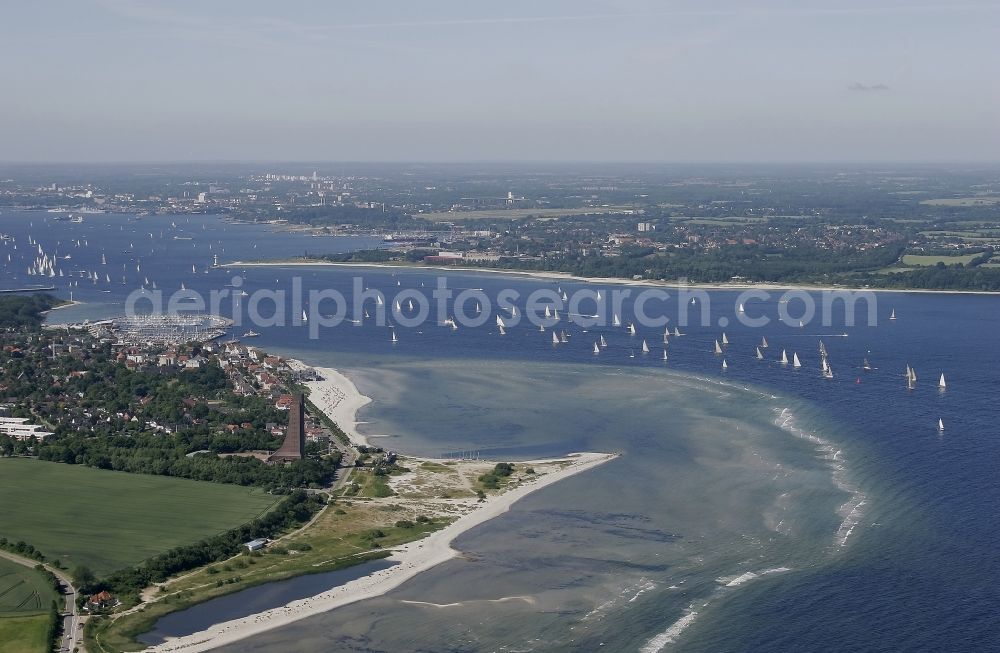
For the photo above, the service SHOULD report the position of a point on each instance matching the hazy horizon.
(590, 81)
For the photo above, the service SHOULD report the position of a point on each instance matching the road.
(72, 621)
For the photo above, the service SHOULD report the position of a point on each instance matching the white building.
(18, 428)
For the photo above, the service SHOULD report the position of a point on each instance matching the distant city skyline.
(560, 81)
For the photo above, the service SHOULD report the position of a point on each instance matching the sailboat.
(305, 318)
(503, 331)
(795, 360)
(598, 295)
(822, 348)
(760, 356)
(631, 328)
(666, 333)
(555, 338)
(500, 322)
(604, 343)
(740, 309)
(865, 365)
(725, 366)
(631, 353)
(827, 370)
(677, 332)
(597, 349)
(563, 338)
(941, 384)
(664, 354)
(725, 340)
(718, 349)
(548, 313)
(645, 347)
(398, 308)
(378, 299)
(616, 321)
(892, 316)
(565, 297)
(940, 425)
(395, 338)
(555, 314)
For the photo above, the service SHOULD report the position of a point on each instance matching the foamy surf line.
(673, 633)
(852, 509)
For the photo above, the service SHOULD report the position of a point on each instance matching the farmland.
(918, 260)
(25, 600)
(107, 520)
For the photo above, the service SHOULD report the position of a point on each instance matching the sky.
(462, 80)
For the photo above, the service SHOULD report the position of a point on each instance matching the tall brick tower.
(295, 436)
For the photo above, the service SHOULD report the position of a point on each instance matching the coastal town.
(894, 230)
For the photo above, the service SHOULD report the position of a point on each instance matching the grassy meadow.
(107, 520)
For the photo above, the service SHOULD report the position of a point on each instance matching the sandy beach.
(565, 276)
(412, 559)
(340, 399)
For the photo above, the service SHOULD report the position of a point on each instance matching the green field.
(918, 260)
(107, 520)
(24, 634)
(23, 591)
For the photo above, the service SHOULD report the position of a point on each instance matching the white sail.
(541, 327)
(398, 308)
(725, 340)
(941, 383)
(616, 321)
(565, 297)
(892, 316)
(795, 360)
(631, 328)
(548, 313)
(555, 338)
(865, 365)
(718, 349)
(555, 314)
(598, 295)
(394, 337)
(940, 424)
(664, 354)
(305, 318)
(725, 366)
(677, 332)
(503, 331)
(604, 343)
(500, 322)
(645, 347)
(597, 349)
(378, 299)
(740, 309)
(563, 338)
(760, 356)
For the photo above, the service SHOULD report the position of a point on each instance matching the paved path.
(72, 621)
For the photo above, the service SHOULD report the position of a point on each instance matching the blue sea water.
(886, 526)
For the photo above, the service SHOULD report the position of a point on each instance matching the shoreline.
(338, 398)
(411, 559)
(566, 276)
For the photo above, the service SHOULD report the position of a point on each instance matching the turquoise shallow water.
(715, 480)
